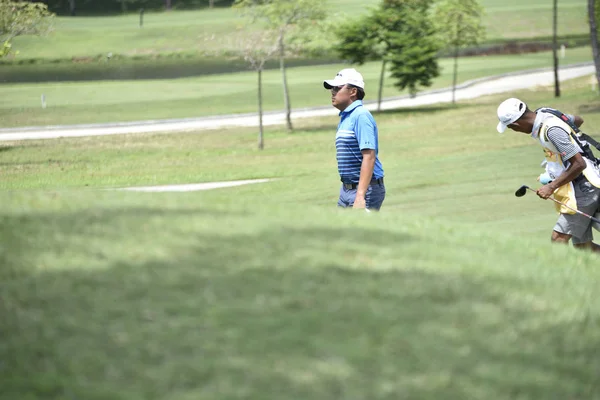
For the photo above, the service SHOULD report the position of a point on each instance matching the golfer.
(575, 179)
(356, 143)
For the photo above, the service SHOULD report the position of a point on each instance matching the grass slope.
(269, 292)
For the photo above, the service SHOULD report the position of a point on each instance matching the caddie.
(574, 175)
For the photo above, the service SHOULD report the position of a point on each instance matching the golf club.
(523, 189)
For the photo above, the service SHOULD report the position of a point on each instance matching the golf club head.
(521, 191)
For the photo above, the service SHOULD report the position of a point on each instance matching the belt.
(351, 186)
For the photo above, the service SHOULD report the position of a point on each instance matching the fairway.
(268, 291)
(218, 31)
(115, 101)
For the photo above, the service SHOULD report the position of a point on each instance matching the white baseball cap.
(509, 111)
(345, 76)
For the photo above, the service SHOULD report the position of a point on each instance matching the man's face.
(342, 96)
(520, 126)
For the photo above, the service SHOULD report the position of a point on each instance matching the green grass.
(210, 31)
(88, 102)
(268, 291)
(519, 19)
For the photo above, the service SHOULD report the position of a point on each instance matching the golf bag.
(582, 139)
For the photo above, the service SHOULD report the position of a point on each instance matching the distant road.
(468, 90)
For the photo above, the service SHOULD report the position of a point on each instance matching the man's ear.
(355, 94)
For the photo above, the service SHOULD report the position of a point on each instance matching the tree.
(593, 17)
(5, 50)
(284, 16)
(21, 18)
(413, 47)
(398, 32)
(459, 24)
(258, 47)
(366, 39)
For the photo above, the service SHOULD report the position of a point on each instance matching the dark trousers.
(373, 198)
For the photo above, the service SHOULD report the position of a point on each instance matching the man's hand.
(546, 191)
(359, 202)
(576, 166)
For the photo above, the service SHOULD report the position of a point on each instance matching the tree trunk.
(168, 4)
(594, 37)
(455, 73)
(72, 8)
(456, 48)
(555, 50)
(260, 112)
(381, 77)
(286, 94)
(211, 3)
(123, 6)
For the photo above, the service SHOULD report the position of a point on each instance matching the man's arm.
(367, 142)
(576, 167)
(568, 152)
(366, 174)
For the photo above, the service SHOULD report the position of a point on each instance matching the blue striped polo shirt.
(356, 131)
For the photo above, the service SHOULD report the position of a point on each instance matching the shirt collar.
(537, 124)
(351, 107)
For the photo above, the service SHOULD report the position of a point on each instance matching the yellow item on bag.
(565, 194)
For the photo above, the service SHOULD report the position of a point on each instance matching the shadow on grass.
(279, 314)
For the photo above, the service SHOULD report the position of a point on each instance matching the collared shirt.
(356, 131)
(540, 115)
(556, 135)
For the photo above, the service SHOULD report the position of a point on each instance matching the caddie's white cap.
(509, 111)
(345, 76)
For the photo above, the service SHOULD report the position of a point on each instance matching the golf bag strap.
(561, 116)
(587, 152)
(590, 140)
(574, 127)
